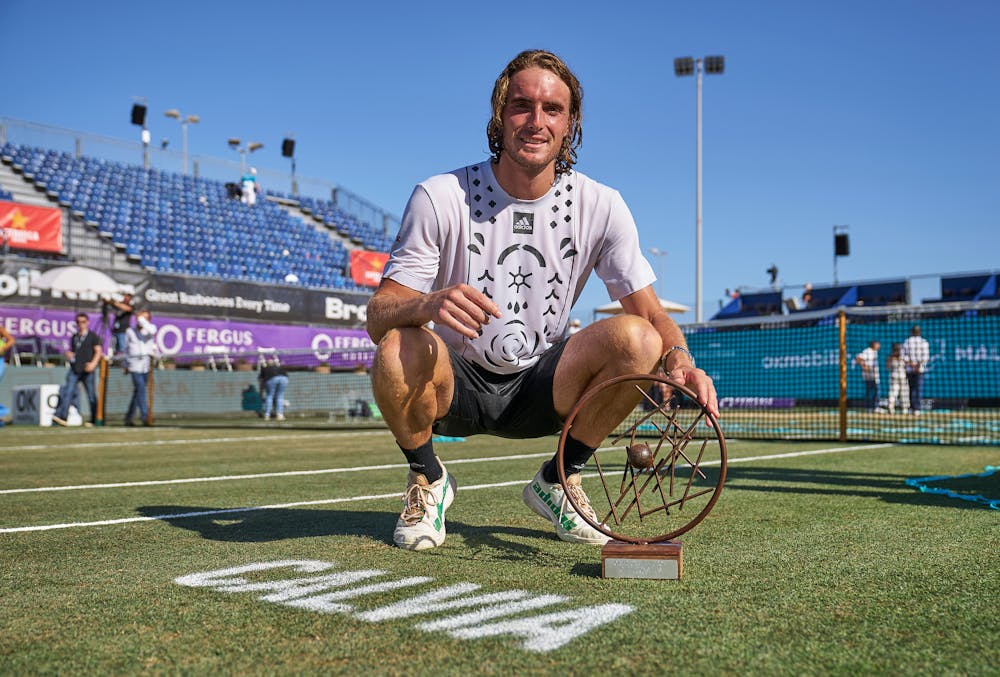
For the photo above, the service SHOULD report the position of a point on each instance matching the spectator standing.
(898, 387)
(83, 356)
(916, 354)
(140, 346)
(250, 188)
(273, 381)
(867, 359)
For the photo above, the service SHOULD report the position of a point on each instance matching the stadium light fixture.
(686, 65)
(251, 146)
(139, 119)
(288, 151)
(841, 247)
(660, 254)
(185, 121)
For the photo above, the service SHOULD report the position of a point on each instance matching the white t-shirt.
(140, 344)
(916, 354)
(532, 257)
(869, 361)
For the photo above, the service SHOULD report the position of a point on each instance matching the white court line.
(193, 440)
(287, 473)
(370, 497)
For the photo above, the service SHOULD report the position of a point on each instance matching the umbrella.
(77, 280)
(616, 307)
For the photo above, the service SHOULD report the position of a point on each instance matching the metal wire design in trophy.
(660, 476)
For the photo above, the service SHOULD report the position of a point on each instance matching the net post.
(102, 389)
(842, 400)
(149, 392)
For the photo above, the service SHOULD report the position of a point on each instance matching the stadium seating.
(757, 304)
(967, 288)
(189, 225)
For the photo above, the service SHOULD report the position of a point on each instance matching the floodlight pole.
(697, 213)
(660, 254)
(688, 66)
(176, 115)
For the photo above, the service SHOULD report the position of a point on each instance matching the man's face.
(81, 324)
(536, 118)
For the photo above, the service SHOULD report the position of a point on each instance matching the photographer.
(123, 310)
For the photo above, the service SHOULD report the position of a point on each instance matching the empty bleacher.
(188, 225)
(882, 293)
(751, 304)
(978, 287)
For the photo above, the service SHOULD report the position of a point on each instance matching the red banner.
(366, 267)
(28, 227)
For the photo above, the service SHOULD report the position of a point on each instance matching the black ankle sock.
(422, 460)
(575, 457)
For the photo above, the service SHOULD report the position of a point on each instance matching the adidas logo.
(546, 497)
(524, 223)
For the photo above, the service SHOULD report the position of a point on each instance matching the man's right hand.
(462, 308)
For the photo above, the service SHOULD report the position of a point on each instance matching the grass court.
(140, 550)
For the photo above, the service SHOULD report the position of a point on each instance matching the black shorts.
(517, 405)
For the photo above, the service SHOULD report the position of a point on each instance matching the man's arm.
(120, 305)
(462, 308)
(645, 304)
(90, 366)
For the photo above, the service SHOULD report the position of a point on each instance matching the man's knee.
(407, 350)
(632, 340)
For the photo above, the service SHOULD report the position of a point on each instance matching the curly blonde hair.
(538, 58)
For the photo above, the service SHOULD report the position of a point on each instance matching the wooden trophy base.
(635, 560)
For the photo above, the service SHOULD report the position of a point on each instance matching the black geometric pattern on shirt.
(481, 240)
(569, 252)
(518, 280)
(485, 276)
(475, 182)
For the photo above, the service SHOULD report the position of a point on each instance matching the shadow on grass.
(259, 525)
(890, 488)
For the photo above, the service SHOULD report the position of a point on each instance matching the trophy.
(660, 476)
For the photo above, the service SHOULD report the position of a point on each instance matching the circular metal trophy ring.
(664, 469)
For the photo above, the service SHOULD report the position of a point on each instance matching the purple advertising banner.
(49, 330)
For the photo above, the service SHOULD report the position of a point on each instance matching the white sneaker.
(421, 524)
(279, 417)
(550, 501)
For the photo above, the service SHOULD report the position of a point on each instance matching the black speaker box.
(841, 245)
(288, 148)
(139, 115)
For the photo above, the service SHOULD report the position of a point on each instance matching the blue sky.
(878, 115)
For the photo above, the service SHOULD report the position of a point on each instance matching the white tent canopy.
(616, 307)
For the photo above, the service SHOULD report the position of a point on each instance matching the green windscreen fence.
(798, 376)
(783, 377)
